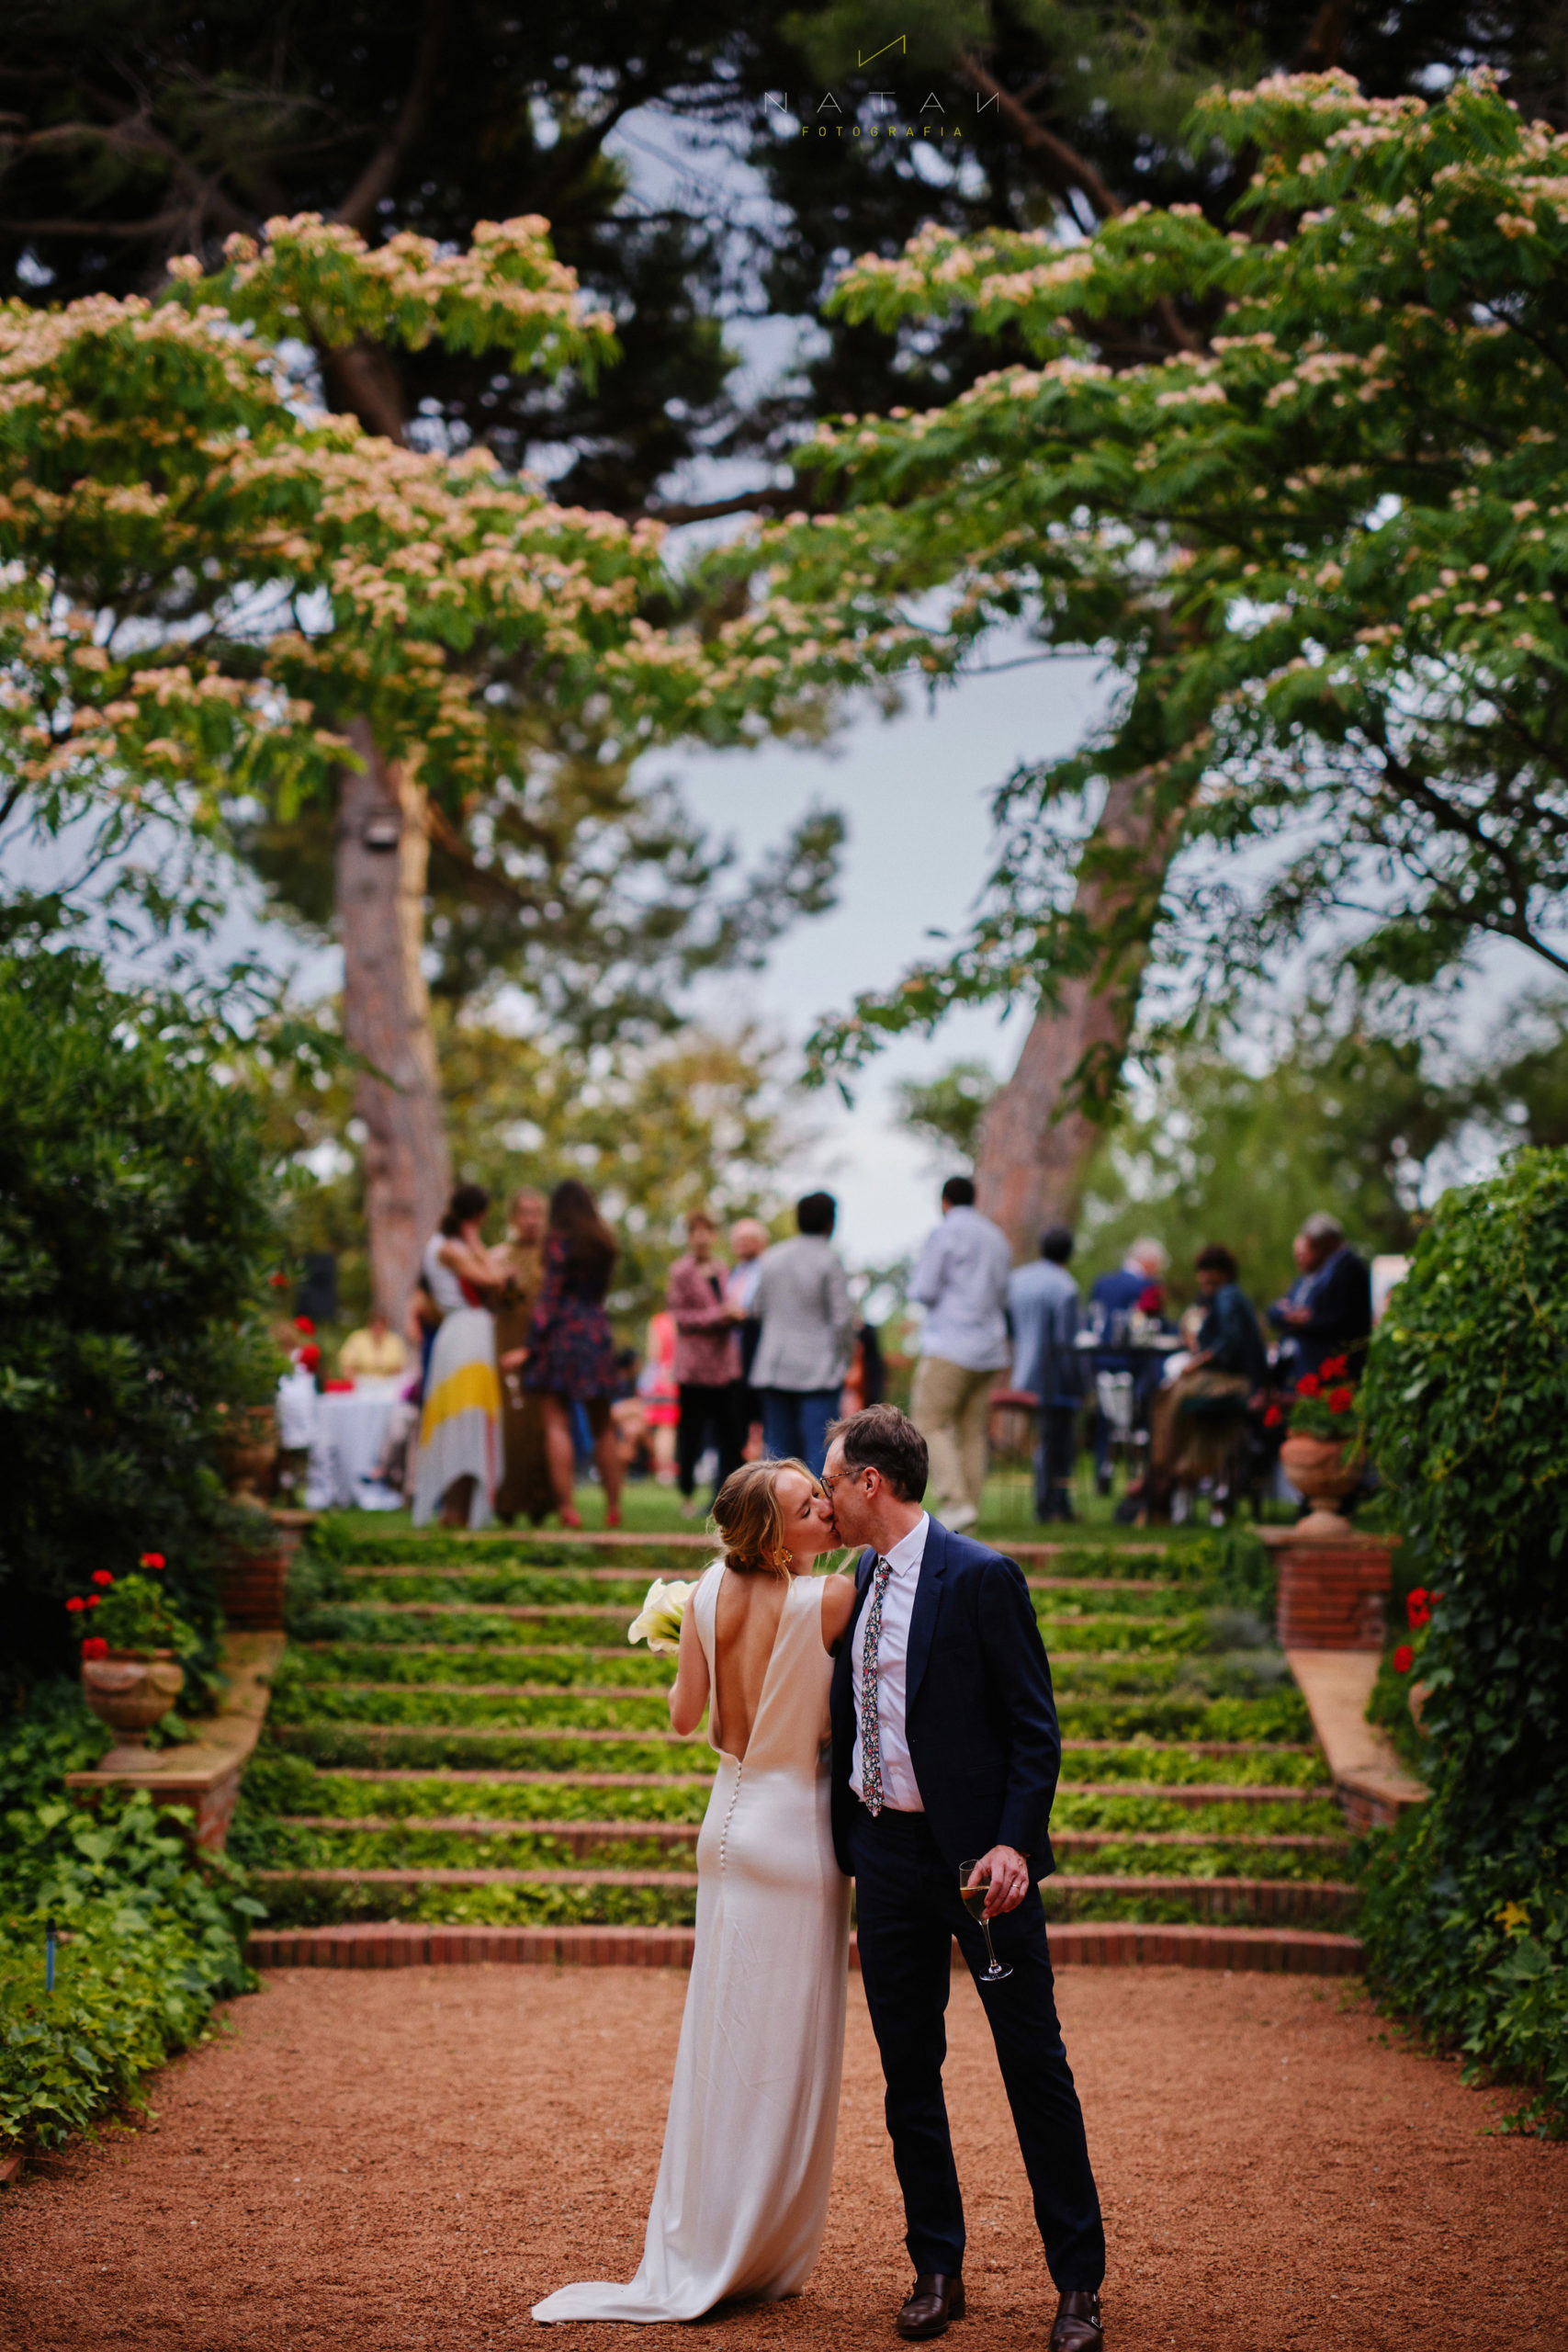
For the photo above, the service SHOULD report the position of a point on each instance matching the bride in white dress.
(742, 2190)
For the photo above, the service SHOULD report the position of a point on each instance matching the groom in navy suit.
(945, 1746)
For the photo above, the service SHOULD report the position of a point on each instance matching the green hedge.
(1466, 1397)
(150, 1940)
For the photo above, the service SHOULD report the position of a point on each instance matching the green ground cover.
(420, 1726)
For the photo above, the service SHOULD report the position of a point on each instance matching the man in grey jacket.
(802, 1302)
(962, 1282)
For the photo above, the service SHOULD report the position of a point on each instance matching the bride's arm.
(690, 1695)
(837, 1608)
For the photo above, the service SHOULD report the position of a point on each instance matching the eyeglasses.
(851, 1477)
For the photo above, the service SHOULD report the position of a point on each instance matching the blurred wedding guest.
(1329, 1309)
(707, 1360)
(1113, 1298)
(460, 1422)
(1044, 1304)
(866, 1383)
(373, 1352)
(748, 1239)
(1194, 1423)
(660, 1395)
(962, 1282)
(571, 1359)
(525, 1491)
(802, 1302)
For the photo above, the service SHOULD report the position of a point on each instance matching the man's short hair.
(818, 1213)
(958, 1193)
(1056, 1243)
(1215, 1258)
(879, 1437)
(1148, 1252)
(1321, 1227)
(699, 1217)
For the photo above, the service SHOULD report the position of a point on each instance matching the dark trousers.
(907, 1913)
(1054, 1452)
(708, 1416)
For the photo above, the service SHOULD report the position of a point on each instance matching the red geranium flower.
(1418, 1608)
(1341, 1399)
(73, 1604)
(1403, 1659)
(1335, 1368)
(1308, 1385)
(91, 1601)
(278, 1281)
(151, 1560)
(304, 1325)
(95, 1646)
(1273, 1417)
(102, 1576)
(311, 1357)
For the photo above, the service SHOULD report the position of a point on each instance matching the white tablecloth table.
(350, 1429)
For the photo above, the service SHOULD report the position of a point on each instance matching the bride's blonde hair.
(747, 1515)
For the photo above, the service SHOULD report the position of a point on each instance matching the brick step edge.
(1299, 1951)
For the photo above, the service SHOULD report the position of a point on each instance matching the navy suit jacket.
(1340, 1305)
(980, 1717)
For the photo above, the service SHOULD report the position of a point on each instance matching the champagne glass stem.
(990, 1948)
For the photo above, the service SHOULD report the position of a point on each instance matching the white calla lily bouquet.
(659, 1621)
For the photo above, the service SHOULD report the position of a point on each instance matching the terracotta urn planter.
(1318, 1468)
(249, 1454)
(130, 1692)
(1419, 1694)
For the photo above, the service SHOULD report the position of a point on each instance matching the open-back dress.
(742, 2192)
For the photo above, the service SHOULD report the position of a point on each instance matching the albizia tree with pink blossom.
(1321, 551)
(211, 589)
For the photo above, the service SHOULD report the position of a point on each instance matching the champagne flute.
(973, 1893)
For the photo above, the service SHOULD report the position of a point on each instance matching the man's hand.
(1008, 1872)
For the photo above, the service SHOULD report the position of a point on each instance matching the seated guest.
(1113, 1298)
(373, 1352)
(1195, 1422)
(1329, 1311)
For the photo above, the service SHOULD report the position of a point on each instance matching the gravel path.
(371, 2161)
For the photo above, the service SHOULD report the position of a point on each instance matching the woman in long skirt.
(459, 1423)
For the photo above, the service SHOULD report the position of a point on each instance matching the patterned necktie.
(870, 1729)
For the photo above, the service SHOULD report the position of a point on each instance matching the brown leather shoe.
(934, 2300)
(1077, 2327)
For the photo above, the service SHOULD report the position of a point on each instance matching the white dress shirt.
(900, 1787)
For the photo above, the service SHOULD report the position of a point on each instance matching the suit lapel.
(922, 1621)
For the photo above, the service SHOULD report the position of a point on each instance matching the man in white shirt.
(946, 1750)
(962, 1282)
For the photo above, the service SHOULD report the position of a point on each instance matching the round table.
(346, 1445)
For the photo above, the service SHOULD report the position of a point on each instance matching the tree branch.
(1072, 170)
(358, 207)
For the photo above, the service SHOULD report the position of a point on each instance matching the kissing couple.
(897, 1730)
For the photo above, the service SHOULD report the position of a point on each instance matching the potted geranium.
(131, 1670)
(1323, 1456)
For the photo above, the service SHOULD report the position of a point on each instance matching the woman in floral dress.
(570, 1356)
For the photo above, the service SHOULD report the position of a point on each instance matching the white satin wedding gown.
(742, 2190)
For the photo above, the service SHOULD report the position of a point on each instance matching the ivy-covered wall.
(1466, 1397)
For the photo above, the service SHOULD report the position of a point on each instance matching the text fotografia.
(934, 118)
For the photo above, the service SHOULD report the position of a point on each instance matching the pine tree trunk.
(1037, 1144)
(380, 903)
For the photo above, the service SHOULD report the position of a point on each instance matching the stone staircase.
(461, 1737)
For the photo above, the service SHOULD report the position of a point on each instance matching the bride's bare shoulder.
(837, 1608)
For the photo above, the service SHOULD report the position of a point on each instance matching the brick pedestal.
(1332, 1588)
(252, 1584)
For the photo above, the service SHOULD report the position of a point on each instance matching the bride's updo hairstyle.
(747, 1515)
